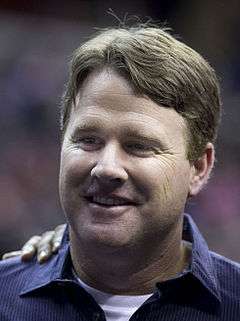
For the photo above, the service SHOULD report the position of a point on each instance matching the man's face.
(124, 176)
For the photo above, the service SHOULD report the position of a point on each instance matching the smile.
(109, 201)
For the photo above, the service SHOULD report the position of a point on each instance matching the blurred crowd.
(35, 48)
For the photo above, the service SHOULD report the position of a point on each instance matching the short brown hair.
(159, 66)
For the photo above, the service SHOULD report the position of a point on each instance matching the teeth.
(108, 201)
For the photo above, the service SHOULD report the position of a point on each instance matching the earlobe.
(201, 169)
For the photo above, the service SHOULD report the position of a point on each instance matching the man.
(139, 120)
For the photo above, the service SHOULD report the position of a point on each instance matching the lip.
(127, 201)
(109, 211)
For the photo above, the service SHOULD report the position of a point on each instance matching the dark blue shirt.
(209, 290)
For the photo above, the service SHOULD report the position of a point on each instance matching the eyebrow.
(129, 131)
(145, 135)
(93, 125)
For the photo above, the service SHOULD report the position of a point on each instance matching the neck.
(130, 271)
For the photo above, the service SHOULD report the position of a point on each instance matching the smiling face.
(124, 175)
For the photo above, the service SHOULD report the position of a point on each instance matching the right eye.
(88, 140)
(87, 143)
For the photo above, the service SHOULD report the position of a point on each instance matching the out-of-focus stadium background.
(36, 41)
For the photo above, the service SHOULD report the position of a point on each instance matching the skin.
(45, 245)
(119, 144)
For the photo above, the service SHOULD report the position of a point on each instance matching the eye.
(87, 143)
(139, 148)
(88, 140)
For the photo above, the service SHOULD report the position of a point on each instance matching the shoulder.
(18, 282)
(9, 266)
(226, 267)
(14, 273)
(228, 276)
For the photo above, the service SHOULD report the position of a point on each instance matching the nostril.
(89, 198)
(117, 180)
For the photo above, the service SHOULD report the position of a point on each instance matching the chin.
(104, 236)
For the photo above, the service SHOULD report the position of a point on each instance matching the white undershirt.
(116, 307)
(119, 307)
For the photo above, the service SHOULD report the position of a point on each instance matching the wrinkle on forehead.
(105, 93)
(133, 108)
(105, 85)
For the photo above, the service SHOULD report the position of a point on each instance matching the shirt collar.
(202, 265)
(58, 269)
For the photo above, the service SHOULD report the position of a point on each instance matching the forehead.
(108, 98)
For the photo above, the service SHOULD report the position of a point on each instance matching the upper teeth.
(108, 201)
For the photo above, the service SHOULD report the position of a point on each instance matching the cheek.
(177, 188)
(74, 175)
(75, 167)
(167, 180)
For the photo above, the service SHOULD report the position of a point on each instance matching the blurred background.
(36, 42)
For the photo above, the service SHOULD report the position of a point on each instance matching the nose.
(109, 167)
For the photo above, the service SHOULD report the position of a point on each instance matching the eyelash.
(132, 146)
(90, 140)
(140, 146)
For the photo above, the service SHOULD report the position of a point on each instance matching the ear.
(201, 169)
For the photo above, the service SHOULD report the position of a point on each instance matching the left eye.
(139, 148)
